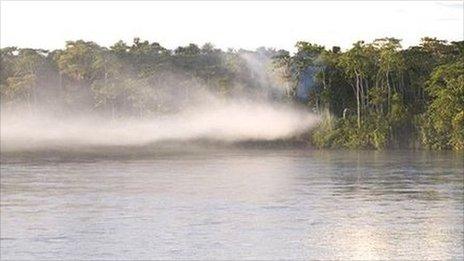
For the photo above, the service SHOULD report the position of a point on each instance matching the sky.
(227, 24)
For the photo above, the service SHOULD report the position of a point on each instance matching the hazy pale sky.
(227, 24)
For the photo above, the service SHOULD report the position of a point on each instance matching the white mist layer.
(230, 121)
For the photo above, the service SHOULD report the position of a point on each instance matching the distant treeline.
(375, 95)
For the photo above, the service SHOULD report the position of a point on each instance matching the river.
(233, 204)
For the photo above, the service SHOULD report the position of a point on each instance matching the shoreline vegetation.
(375, 95)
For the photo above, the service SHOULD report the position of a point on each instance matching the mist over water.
(229, 120)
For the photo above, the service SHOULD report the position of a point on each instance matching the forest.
(374, 95)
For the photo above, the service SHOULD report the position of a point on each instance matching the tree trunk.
(388, 92)
(358, 102)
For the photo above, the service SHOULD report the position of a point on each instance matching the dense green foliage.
(373, 95)
(378, 95)
(137, 79)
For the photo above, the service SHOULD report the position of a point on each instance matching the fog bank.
(218, 120)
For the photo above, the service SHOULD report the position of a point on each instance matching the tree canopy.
(373, 95)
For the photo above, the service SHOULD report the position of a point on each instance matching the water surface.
(233, 204)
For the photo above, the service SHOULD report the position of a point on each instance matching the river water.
(233, 204)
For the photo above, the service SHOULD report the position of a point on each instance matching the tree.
(444, 120)
(21, 74)
(355, 63)
(80, 61)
